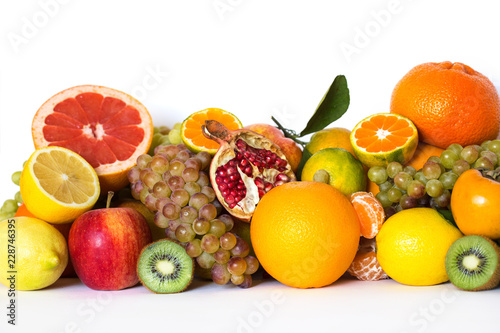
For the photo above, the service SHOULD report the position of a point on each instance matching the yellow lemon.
(412, 246)
(58, 185)
(341, 170)
(38, 253)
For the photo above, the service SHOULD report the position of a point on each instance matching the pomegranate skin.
(246, 166)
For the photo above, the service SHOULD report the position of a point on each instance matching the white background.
(256, 59)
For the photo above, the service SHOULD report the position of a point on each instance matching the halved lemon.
(383, 138)
(191, 132)
(58, 185)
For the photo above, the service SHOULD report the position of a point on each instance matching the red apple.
(289, 147)
(105, 244)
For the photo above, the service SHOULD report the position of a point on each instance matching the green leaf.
(447, 215)
(333, 105)
(305, 156)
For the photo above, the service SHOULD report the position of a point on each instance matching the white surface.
(255, 59)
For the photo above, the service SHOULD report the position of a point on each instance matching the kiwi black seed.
(473, 263)
(164, 267)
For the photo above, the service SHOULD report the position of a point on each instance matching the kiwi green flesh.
(473, 263)
(164, 267)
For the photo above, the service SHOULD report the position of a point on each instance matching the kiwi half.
(164, 267)
(473, 263)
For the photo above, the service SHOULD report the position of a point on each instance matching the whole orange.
(305, 234)
(448, 103)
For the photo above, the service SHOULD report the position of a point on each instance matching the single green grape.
(407, 202)
(456, 148)
(175, 136)
(402, 179)
(416, 189)
(9, 206)
(18, 197)
(420, 177)
(460, 167)
(484, 162)
(435, 159)
(16, 176)
(484, 145)
(490, 155)
(431, 170)
(394, 194)
(448, 158)
(377, 174)
(434, 188)
(384, 187)
(448, 179)
(410, 170)
(494, 146)
(177, 126)
(444, 199)
(470, 154)
(393, 169)
(384, 200)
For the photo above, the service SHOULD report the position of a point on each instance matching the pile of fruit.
(412, 194)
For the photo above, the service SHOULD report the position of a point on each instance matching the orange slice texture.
(365, 266)
(107, 127)
(384, 138)
(192, 134)
(370, 213)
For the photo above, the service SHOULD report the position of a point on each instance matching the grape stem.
(291, 134)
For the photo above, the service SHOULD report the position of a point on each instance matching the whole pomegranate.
(246, 166)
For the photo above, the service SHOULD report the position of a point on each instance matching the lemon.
(58, 185)
(412, 246)
(345, 172)
(40, 251)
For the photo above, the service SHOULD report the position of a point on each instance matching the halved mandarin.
(383, 138)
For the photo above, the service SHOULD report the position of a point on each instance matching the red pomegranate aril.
(229, 199)
(240, 186)
(225, 193)
(283, 177)
(221, 172)
(278, 183)
(268, 186)
(261, 193)
(222, 186)
(248, 171)
(259, 182)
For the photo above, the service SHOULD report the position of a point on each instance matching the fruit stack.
(412, 194)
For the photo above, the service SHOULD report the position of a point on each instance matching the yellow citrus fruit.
(383, 138)
(305, 234)
(412, 246)
(191, 132)
(41, 253)
(336, 137)
(58, 185)
(345, 172)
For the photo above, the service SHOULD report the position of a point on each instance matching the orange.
(192, 134)
(370, 213)
(107, 127)
(383, 138)
(365, 266)
(305, 234)
(449, 103)
(23, 211)
(336, 137)
(422, 153)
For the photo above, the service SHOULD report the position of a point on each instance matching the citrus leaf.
(333, 105)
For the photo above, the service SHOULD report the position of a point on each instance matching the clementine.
(305, 234)
(449, 103)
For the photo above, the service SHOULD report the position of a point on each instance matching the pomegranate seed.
(225, 193)
(238, 198)
(226, 180)
(282, 163)
(239, 156)
(278, 183)
(248, 171)
(233, 192)
(231, 184)
(240, 181)
(283, 177)
(219, 179)
(259, 182)
(246, 154)
(269, 160)
(231, 171)
(268, 186)
(222, 186)
(231, 163)
(241, 144)
(251, 159)
(261, 193)
(234, 177)
(242, 193)
(243, 163)
(239, 186)
(221, 173)
(230, 199)
(232, 205)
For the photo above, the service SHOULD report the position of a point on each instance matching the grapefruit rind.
(402, 153)
(112, 176)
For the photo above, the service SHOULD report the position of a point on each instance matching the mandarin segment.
(370, 213)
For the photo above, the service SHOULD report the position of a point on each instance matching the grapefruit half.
(107, 127)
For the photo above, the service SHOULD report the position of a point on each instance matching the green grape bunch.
(403, 187)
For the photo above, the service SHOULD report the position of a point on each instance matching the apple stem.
(110, 196)
(291, 134)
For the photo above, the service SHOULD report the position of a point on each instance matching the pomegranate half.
(245, 167)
